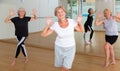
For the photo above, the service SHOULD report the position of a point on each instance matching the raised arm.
(117, 18)
(79, 27)
(47, 31)
(34, 12)
(11, 13)
(99, 20)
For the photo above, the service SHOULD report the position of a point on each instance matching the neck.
(90, 14)
(108, 17)
(63, 19)
(21, 16)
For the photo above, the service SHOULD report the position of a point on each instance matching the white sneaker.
(87, 43)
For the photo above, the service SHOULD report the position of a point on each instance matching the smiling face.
(60, 12)
(21, 12)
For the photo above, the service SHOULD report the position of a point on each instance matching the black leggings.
(89, 28)
(20, 46)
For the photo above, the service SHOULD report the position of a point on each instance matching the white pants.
(64, 56)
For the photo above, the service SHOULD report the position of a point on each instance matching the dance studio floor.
(41, 54)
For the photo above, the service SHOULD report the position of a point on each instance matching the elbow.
(35, 17)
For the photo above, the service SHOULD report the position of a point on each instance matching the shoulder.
(54, 26)
(70, 20)
(90, 16)
(27, 17)
(15, 18)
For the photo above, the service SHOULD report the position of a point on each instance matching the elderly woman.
(21, 30)
(65, 46)
(111, 35)
(88, 26)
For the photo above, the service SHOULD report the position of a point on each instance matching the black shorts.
(111, 39)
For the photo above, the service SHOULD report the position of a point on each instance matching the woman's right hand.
(49, 21)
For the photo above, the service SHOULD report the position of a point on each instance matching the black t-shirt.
(89, 20)
(21, 25)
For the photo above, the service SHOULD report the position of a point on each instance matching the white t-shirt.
(65, 36)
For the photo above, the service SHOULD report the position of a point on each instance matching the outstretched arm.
(79, 26)
(98, 20)
(47, 31)
(11, 13)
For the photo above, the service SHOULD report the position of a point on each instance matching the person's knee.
(111, 47)
(107, 46)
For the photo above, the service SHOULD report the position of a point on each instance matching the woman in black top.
(88, 25)
(21, 30)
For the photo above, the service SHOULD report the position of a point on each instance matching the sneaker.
(87, 43)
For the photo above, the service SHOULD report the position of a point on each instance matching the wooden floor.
(41, 54)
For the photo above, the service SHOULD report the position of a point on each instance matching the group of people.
(65, 46)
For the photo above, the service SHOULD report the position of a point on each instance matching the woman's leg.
(112, 55)
(64, 69)
(20, 42)
(69, 55)
(91, 34)
(20, 45)
(85, 39)
(24, 52)
(58, 56)
(107, 54)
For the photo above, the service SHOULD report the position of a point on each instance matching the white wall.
(44, 8)
(100, 5)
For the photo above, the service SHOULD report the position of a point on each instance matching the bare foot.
(64, 69)
(26, 60)
(14, 62)
(113, 63)
(90, 41)
(106, 64)
(87, 43)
